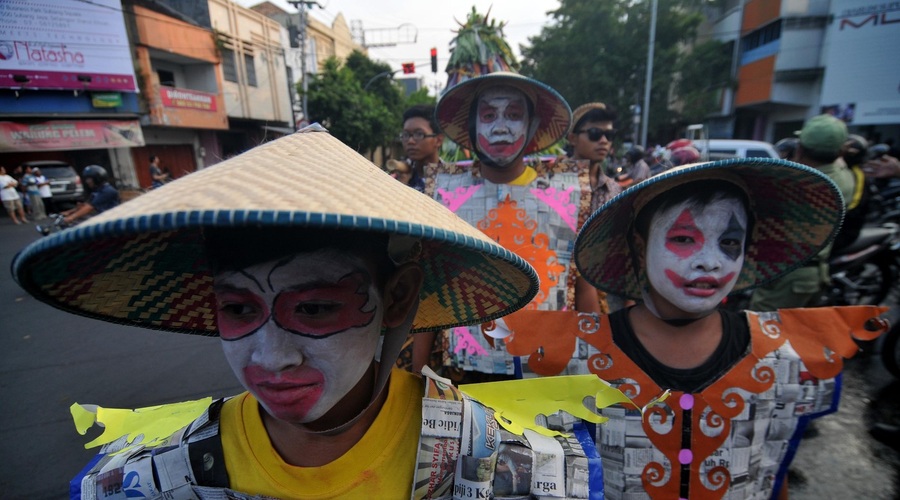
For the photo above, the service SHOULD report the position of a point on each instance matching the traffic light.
(433, 60)
(409, 68)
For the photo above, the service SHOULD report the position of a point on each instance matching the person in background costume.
(535, 212)
(299, 279)
(729, 394)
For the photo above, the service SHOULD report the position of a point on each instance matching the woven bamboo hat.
(796, 212)
(455, 106)
(143, 263)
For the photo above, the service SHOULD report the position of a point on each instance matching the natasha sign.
(64, 44)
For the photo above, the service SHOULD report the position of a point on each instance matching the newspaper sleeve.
(438, 448)
(549, 474)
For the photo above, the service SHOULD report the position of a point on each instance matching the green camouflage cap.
(823, 133)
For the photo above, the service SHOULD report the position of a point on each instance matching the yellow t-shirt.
(528, 175)
(380, 465)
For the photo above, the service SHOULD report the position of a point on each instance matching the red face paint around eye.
(684, 238)
(325, 310)
(239, 313)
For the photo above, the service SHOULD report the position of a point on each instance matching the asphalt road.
(50, 359)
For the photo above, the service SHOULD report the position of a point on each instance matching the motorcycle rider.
(103, 195)
(854, 154)
(786, 148)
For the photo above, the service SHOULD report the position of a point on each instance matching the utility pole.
(301, 6)
(649, 82)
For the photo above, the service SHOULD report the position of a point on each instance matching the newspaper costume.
(145, 263)
(538, 219)
(735, 435)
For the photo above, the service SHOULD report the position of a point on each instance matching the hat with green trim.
(143, 263)
(796, 212)
(455, 107)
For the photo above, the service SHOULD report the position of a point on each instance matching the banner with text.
(65, 44)
(183, 98)
(70, 134)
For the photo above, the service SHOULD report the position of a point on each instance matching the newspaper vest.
(734, 438)
(538, 222)
(463, 454)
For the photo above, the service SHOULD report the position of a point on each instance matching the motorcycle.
(57, 223)
(861, 273)
(864, 272)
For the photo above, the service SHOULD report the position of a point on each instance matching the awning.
(280, 130)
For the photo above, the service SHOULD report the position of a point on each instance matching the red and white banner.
(64, 44)
(183, 98)
(70, 134)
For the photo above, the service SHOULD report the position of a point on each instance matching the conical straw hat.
(796, 212)
(143, 263)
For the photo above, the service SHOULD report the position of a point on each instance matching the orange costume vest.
(734, 437)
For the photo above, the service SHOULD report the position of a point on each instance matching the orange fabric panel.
(758, 13)
(755, 82)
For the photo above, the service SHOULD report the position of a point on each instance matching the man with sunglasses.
(591, 140)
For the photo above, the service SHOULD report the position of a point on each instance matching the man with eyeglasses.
(421, 141)
(591, 140)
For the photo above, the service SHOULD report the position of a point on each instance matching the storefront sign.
(70, 134)
(860, 84)
(183, 98)
(106, 99)
(65, 44)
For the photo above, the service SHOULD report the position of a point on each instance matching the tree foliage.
(596, 50)
(364, 118)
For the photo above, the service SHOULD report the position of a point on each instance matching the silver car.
(65, 184)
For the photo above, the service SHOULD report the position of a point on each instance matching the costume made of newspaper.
(151, 263)
(444, 445)
(536, 216)
(538, 221)
(736, 432)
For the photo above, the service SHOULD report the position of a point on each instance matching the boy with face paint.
(300, 281)
(532, 211)
(728, 394)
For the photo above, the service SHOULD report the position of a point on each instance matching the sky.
(433, 22)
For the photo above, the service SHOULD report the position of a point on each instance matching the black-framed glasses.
(418, 135)
(594, 133)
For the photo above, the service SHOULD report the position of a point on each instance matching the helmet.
(685, 155)
(634, 154)
(678, 144)
(786, 147)
(854, 150)
(878, 150)
(96, 173)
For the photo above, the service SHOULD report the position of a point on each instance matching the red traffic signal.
(433, 60)
(409, 68)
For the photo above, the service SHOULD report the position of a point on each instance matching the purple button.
(686, 401)
(685, 457)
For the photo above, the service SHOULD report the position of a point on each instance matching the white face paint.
(300, 333)
(695, 254)
(501, 127)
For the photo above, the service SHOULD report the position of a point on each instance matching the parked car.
(65, 184)
(721, 149)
